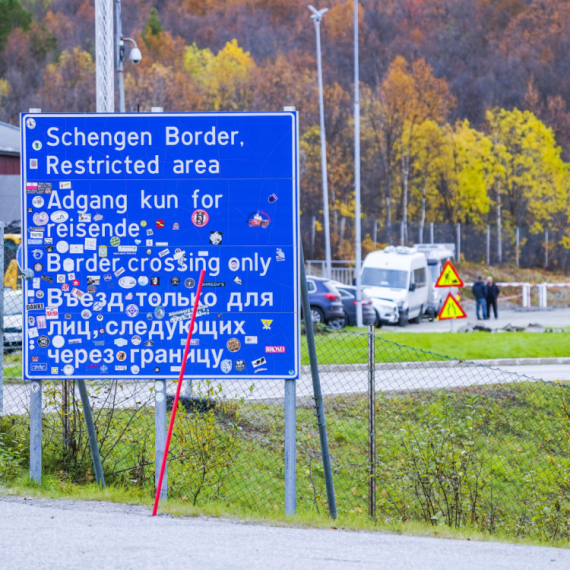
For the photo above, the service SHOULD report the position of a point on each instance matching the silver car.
(13, 318)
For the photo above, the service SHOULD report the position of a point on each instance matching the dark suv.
(326, 304)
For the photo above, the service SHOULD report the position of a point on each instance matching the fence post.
(431, 235)
(160, 434)
(542, 296)
(35, 430)
(2, 249)
(317, 394)
(526, 295)
(458, 235)
(290, 447)
(517, 244)
(402, 232)
(375, 233)
(371, 422)
(313, 234)
(488, 247)
(93, 445)
(545, 249)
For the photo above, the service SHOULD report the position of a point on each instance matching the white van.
(437, 254)
(399, 274)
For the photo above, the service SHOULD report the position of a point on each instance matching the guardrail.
(527, 288)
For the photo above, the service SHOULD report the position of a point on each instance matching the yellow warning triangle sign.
(449, 277)
(451, 309)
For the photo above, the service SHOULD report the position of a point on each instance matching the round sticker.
(43, 341)
(107, 277)
(127, 282)
(143, 280)
(158, 386)
(37, 145)
(59, 216)
(159, 397)
(132, 311)
(38, 266)
(239, 365)
(86, 313)
(58, 341)
(159, 223)
(143, 224)
(37, 201)
(200, 218)
(35, 387)
(68, 264)
(175, 281)
(40, 294)
(68, 370)
(41, 219)
(136, 340)
(62, 246)
(99, 317)
(189, 283)
(234, 264)
(159, 312)
(31, 123)
(233, 345)
(135, 369)
(156, 369)
(75, 282)
(115, 241)
(121, 356)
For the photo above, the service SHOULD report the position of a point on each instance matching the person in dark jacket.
(479, 293)
(492, 293)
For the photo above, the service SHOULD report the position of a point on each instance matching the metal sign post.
(121, 212)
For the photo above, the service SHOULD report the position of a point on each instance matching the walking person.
(492, 293)
(479, 292)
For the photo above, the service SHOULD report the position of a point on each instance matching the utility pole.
(104, 57)
(317, 17)
(357, 228)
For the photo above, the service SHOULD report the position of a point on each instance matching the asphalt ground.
(52, 534)
(558, 317)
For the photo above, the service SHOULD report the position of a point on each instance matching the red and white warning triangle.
(451, 309)
(449, 277)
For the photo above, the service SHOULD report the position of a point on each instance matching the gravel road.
(47, 534)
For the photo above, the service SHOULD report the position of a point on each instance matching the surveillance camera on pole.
(135, 56)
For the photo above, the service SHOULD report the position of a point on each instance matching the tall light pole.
(104, 68)
(357, 228)
(135, 56)
(317, 17)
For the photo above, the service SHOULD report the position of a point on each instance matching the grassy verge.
(350, 347)
(52, 489)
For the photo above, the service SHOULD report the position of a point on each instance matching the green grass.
(350, 347)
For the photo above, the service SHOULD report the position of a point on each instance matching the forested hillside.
(464, 102)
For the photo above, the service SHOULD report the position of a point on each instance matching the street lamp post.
(135, 56)
(357, 228)
(317, 17)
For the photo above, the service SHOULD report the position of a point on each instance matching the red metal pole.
(176, 398)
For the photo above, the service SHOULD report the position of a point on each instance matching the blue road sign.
(120, 215)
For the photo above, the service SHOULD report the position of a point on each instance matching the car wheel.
(377, 323)
(337, 323)
(403, 322)
(317, 316)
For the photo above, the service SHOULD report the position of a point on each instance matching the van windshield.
(392, 278)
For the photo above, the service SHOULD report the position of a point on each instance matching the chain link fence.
(477, 244)
(454, 443)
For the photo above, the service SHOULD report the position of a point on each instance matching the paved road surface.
(62, 535)
(556, 318)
